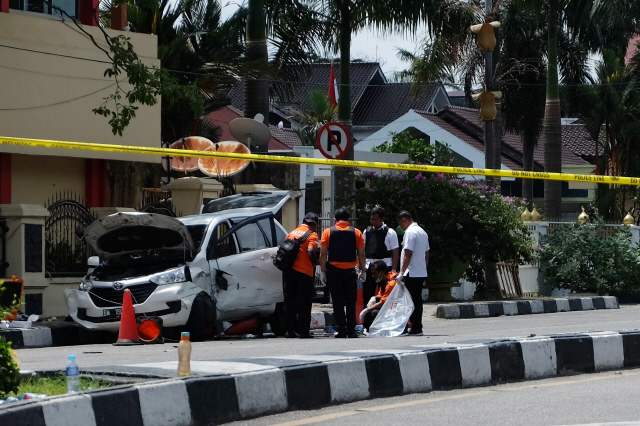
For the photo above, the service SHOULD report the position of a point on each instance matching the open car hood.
(122, 233)
(255, 201)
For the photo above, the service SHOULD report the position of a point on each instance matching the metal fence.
(66, 252)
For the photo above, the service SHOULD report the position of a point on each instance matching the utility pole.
(489, 157)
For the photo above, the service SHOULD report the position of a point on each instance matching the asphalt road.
(604, 398)
(436, 331)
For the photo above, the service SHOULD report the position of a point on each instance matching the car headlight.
(178, 275)
(86, 284)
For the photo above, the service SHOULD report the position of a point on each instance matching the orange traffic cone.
(128, 334)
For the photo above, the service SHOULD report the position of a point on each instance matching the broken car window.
(250, 238)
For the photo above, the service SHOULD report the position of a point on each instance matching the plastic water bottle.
(184, 355)
(73, 378)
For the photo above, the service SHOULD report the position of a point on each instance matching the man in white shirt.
(413, 266)
(380, 243)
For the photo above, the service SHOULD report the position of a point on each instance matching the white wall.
(435, 132)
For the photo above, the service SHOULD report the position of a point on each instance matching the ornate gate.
(66, 251)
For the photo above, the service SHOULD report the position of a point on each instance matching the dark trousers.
(414, 285)
(298, 293)
(369, 317)
(343, 285)
(368, 288)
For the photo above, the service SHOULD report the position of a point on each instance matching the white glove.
(362, 314)
(362, 276)
(400, 279)
(372, 302)
(323, 278)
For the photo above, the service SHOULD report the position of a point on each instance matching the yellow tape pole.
(618, 180)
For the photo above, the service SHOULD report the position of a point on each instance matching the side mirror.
(93, 262)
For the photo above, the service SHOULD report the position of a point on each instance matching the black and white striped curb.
(524, 307)
(226, 391)
(39, 337)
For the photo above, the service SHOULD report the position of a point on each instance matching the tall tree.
(610, 110)
(343, 18)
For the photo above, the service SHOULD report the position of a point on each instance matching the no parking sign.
(333, 140)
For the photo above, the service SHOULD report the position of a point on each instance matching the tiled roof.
(281, 139)
(577, 139)
(318, 79)
(471, 140)
(381, 104)
(573, 136)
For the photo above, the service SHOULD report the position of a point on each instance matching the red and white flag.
(333, 88)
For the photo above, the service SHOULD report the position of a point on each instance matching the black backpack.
(288, 252)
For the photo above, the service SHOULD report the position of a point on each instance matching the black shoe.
(290, 335)
(353, 335)
(340, 335)
(305, 336)
(415, 333)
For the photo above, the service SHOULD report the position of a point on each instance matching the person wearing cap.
(385, 280)
(341, 250)
(380, 243)
(298, 282)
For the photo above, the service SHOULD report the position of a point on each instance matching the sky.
(368, 45)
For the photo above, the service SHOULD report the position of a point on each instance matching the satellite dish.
(250, 132)
(217, 167)
(193, 143)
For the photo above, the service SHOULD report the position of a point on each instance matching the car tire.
(201, 317)
(276, 320)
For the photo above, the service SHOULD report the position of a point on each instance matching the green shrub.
(9, 371)
(581, 259)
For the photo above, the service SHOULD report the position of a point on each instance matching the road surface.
(436, 331)
(605, 398)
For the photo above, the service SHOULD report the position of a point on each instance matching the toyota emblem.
(118, 286)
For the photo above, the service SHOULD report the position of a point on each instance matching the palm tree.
(321, 113)
(611, 112)
(597, 25)
(522, 73)
(342, 18)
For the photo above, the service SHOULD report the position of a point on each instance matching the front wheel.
(201, 317)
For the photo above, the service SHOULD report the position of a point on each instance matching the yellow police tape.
(319, 161)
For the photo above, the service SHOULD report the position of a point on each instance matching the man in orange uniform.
(341, 250)
(298, 282)
(385, 280)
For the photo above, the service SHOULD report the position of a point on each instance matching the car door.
(246, 281)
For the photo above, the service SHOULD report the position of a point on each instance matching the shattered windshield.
(197, 234)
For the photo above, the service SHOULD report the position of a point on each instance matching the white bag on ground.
(394, 314)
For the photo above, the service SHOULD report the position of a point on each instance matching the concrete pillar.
(26, 250)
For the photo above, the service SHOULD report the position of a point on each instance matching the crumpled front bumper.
(170, 302)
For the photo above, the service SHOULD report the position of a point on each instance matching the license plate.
(112, 313)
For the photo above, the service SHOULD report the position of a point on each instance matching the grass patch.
(57, 385)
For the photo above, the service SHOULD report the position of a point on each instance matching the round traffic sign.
(333, 140)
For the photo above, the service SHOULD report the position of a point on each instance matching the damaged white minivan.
(190, 271)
